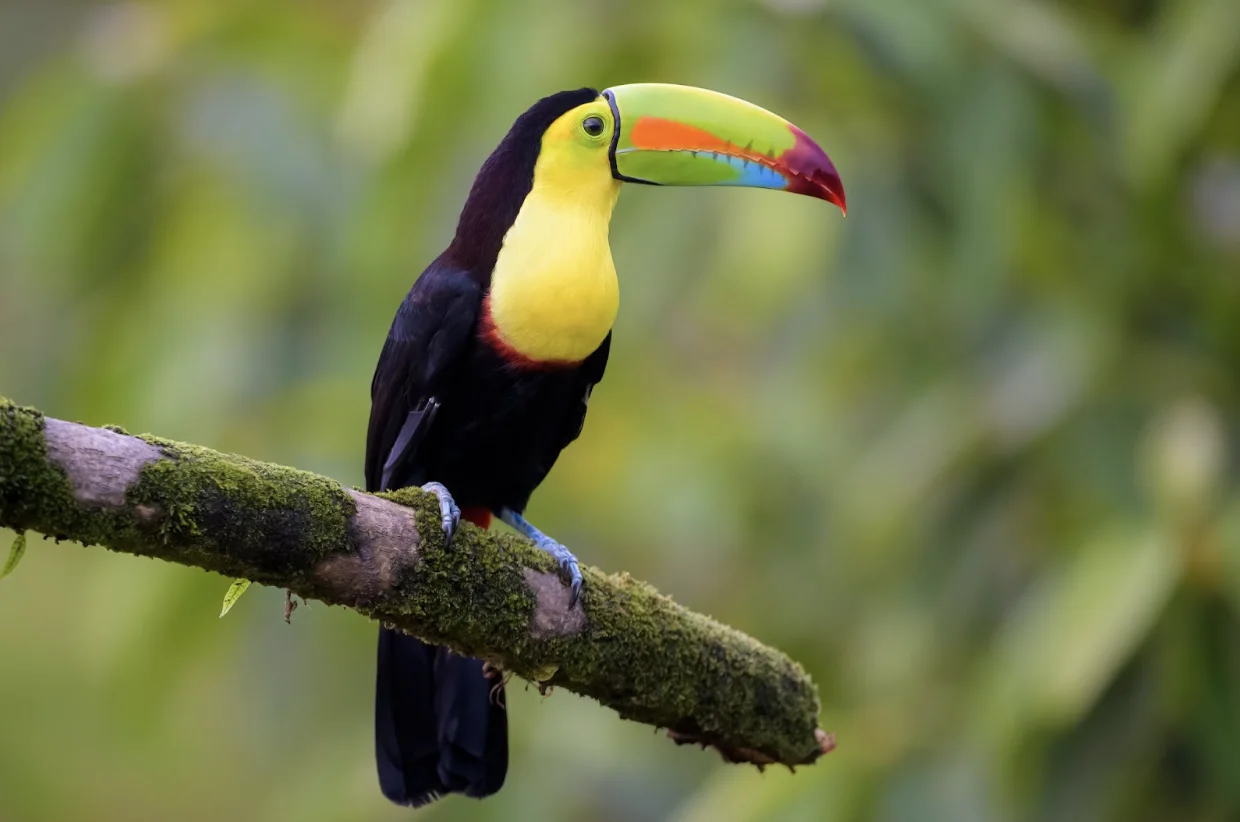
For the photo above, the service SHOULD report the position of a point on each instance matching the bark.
(491, 596)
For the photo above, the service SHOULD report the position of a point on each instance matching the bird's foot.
(562, 556)
(449, 512)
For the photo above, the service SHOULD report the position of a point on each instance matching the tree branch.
(490, 596)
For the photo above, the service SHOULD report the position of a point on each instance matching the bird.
(491, 359)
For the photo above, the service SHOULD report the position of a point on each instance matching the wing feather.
(591, 375)
(431, 333)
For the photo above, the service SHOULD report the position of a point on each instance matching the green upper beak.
(684, 136)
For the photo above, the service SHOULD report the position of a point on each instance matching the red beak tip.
(832, 190)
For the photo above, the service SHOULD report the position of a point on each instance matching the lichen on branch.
(488, 595)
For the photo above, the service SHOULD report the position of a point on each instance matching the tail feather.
(406, 749)
(438, 728)
(473, 726)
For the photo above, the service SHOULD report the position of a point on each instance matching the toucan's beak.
(684, 136)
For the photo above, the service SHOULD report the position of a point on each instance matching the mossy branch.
(489, 596)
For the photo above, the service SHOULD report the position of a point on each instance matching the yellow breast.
(554, 293)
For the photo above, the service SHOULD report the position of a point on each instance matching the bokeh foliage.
(968, 454)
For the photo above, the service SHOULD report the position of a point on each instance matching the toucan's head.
(585, 144)
(663, 134)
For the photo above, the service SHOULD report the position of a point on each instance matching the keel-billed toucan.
(489, 364)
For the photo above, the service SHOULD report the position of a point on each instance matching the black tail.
(440, 723)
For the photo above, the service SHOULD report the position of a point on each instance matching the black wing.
(591, 373)
(433, 329)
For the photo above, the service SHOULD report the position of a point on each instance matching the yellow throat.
(554, 293)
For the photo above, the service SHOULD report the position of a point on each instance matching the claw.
(450, 514)
(574, 574)
(567, 562)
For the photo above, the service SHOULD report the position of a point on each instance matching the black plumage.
(449, 406)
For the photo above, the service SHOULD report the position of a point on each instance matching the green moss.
(470, 589)
(36, 494)
(727, 686)
(473, 594)
(265, 522)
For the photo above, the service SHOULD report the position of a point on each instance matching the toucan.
(491, 359)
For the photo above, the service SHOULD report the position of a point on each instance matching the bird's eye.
(593, 125)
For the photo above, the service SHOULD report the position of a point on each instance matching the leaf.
(1178, 83)
(234, 593)
(16, 552)
(1228, 537)
(1062, 647)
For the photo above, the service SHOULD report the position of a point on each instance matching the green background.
(969, 454)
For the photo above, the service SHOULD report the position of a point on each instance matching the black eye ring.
(593, 125)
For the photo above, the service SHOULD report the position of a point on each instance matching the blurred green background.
(969, 455)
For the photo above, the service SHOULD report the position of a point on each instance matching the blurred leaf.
(1176, 82)
(1040, 36)
(1076, 628)
(1228, 546)
(1184, 456)
(16, 551)
(391, 66)
(233, 594)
